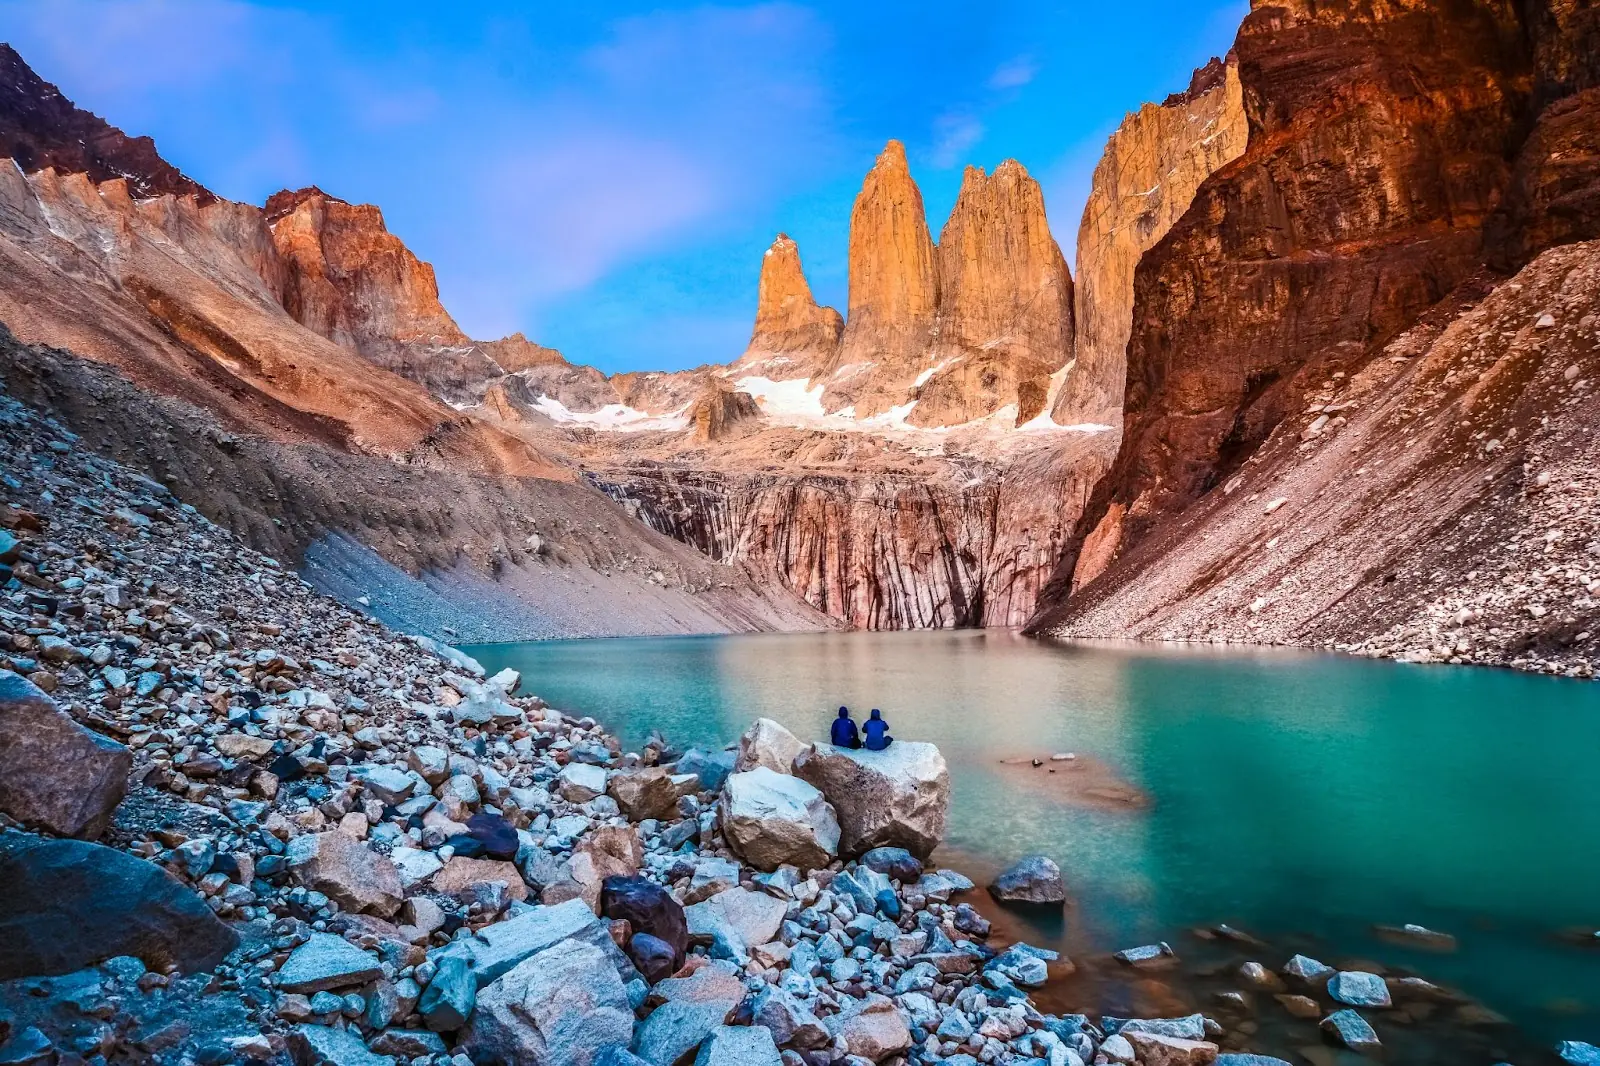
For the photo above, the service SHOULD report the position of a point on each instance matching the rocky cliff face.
(1379, 139)
(1143, 184)
(1005, 303)
(970, 546)
(40, 129)
(894, 287)
(1440, 504)
(793, 336)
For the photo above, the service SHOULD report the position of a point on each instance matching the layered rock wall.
(881, 551)
(41, 129)
(1143, 184)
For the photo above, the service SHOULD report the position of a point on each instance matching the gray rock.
(1307, 969)
(872, 1028)
(1026, 968)
(1148, 957)
(1189, 1027)
(768, 744)
(498, 948)
(897, 863)
(1156, 1049)
(388, 783)
(896, 797)
(790, 1021)
(324, 962)
(675, 1029)
(347, 871)
(561, 1007)
(1357, 988)
(408, 1043)
(711, 875)
(324, 1045)
(580, 782)
(750, 918)
(772, 819)
(1034, 879)
(68, 904)
(942, 884)
(55, 775)
(447, 1002)
(711, 767)
(1350, 1029)
(730, 1045)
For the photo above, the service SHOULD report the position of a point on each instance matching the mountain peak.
(40, 128)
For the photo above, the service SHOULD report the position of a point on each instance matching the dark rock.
(655, 958)
(55, 775)
(897, 863)
(648, 908)
(68, 904)
(498, 836)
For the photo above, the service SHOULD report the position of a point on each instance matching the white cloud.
(954, 135)
(1014, 73)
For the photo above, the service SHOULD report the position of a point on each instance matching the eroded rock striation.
(1143, 184)
(894, 287)
(1005, 304)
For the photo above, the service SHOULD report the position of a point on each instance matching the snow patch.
(793, 398)
(613, 416)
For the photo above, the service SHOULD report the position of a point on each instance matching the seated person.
(844, 730)
(877, 731)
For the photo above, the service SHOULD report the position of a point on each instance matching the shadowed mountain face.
(41, 128)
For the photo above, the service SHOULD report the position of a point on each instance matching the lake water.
(1300, 797)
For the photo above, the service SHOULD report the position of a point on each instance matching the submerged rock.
(772, 819)
(1035, 879)
(896, 797)
(1359, 989)
(1351, 1030)
(55, 775)
(67, 904)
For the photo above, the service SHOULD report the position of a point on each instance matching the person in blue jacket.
(877, 731)
(844, 730)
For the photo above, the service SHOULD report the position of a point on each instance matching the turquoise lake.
(1301, 797)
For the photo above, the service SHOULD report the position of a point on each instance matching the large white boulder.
(766, 743)
(771, 818)
(896, 797)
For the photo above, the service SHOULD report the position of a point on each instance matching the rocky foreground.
(320, 841)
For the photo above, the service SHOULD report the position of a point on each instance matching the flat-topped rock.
(771, 819)
(326, 962)
(346, 871)
(896, 797)
(497, 948)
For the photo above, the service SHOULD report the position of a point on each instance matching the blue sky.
(604, 177)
